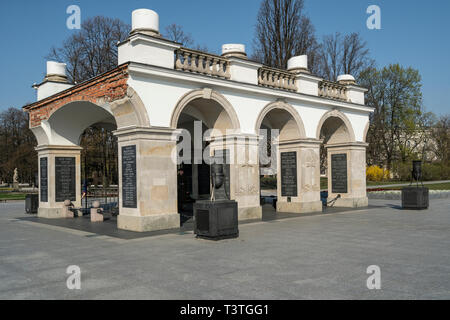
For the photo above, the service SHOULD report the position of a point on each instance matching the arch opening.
(278, 124)
(91, 127)
(336, 133)
(67, 123)
(200, 119)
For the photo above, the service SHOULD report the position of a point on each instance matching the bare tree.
(175, 33)
(93, 49)
(355, 54)
(330, 52)
(283, 31)
(343, 55)
(17, 144)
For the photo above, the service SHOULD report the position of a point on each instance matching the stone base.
(95, 216)
(149, 223)
(351, 202)
(299, 207)
(52, 213)
(250, 213)
(216, 220)
(415, 198)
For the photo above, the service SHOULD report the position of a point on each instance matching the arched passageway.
(63, 170)
(99, 168)
(288, 155)
(210, 131)
(201, 120)
(342, 161)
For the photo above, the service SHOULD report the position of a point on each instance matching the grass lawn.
(324, 183)
(12, 196)
(437, 186)
(382, 183)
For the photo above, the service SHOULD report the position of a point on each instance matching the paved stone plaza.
(322, 256)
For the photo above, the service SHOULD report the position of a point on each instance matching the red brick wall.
(104, 88)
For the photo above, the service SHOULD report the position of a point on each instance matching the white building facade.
(160, 88)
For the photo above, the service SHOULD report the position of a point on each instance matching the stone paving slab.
(311, 257)
(109, 227)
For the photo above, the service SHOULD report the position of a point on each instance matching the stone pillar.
(307, 155)
(244, 172)
(147, 179)
(347, 174)
(59, 179)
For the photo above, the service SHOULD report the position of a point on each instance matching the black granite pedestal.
(415, 198)
(216, 220)
(31, 203)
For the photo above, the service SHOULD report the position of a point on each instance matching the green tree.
(441, 139)
(342, 54)
(395, 94)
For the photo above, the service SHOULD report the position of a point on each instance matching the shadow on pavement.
(109, 227)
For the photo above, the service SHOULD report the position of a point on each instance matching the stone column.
(147, 179)
(59, 179)
(347, 174)
(307, 155)
(244, 172)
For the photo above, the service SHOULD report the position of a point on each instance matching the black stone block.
(216, 220)
(31, 203)
(415, 198)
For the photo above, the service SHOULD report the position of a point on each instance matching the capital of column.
(236, 138)
(57, 148)
(348, 145)
(145, 133)
(300, 143)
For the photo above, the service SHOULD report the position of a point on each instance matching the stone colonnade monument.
(159, 89)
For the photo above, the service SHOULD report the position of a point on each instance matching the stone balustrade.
(201, 62)
(332, 90)
(216, 66)
(276, 78)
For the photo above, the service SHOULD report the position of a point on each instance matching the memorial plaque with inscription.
(43, 183)
(129, 188)
(65, 183)
(339, 173)
(223, 157)
(289, 174)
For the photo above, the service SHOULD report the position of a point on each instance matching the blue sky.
(414, 33)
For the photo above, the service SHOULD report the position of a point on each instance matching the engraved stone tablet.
(289, 174)
(65, 183)
(129, 189)
(339, 173)
(43, 184)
